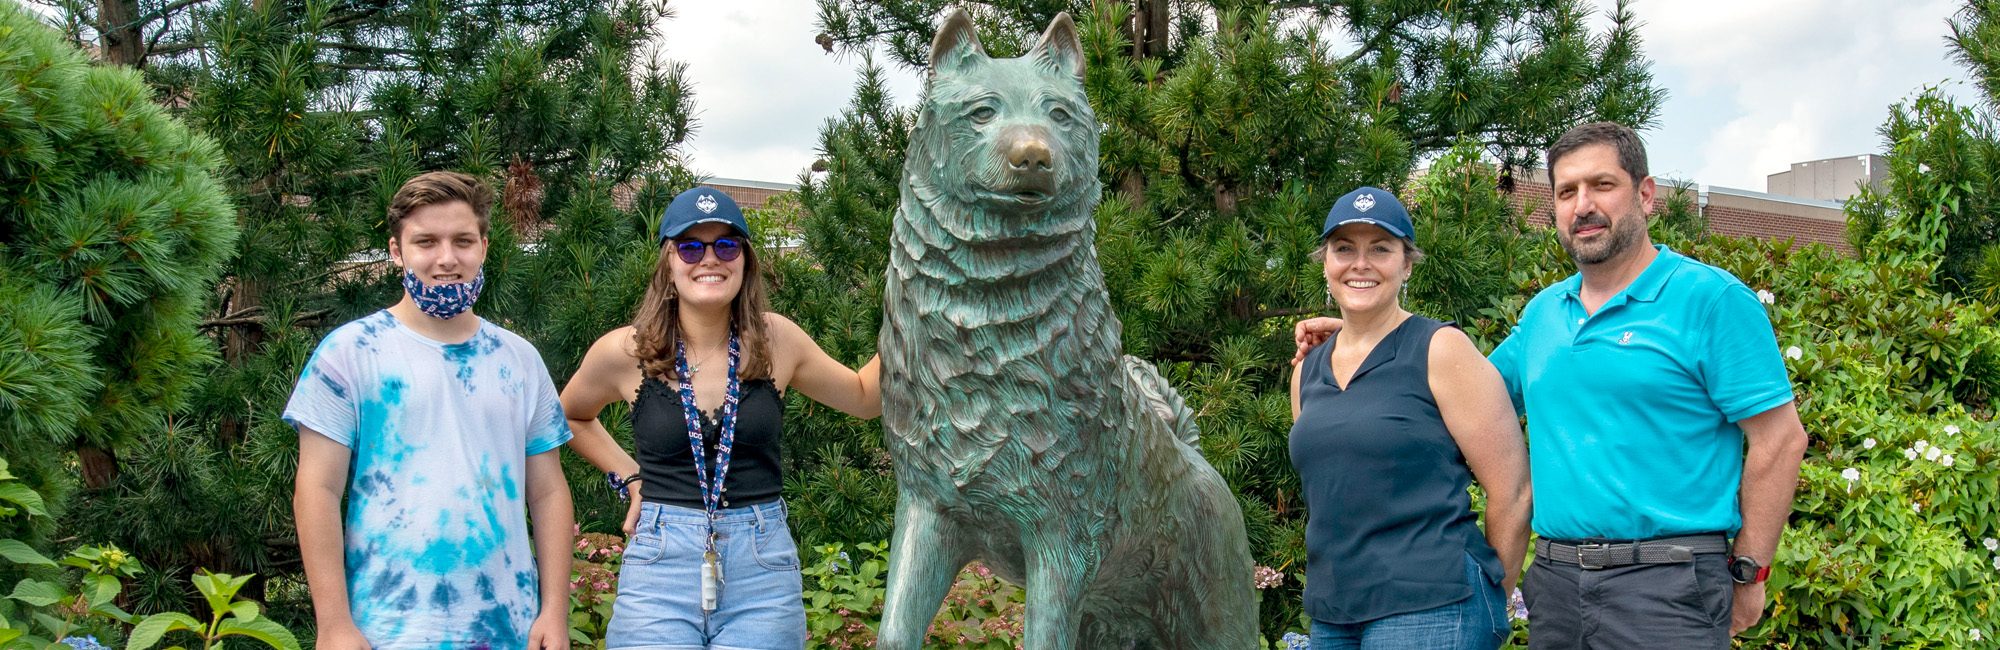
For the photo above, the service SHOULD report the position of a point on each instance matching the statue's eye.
(983, 114)
(1059, 115)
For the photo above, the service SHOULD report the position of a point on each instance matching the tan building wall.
(1831, 179)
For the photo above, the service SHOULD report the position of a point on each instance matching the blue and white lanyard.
(711, 493)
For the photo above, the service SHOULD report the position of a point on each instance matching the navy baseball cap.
(701, 205)
(1371, 205)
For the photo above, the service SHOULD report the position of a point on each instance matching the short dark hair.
(1631, 151)
(432, 188)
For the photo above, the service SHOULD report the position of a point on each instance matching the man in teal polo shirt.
(1662, 438)
(1645, 378)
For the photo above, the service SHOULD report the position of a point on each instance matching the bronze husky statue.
(1022, 435)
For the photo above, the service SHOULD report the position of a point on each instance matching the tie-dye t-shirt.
(438, 553)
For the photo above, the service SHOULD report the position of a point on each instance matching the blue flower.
(84, 643)
(1296, 641)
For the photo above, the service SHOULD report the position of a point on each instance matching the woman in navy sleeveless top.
(1393, 417)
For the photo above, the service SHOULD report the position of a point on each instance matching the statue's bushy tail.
(1160, 399)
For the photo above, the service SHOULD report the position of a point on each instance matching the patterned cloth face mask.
(445, 301)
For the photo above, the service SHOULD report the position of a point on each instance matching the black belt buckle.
(1583, 556)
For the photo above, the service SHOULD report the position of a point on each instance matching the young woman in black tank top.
(1392, 419)
(706, 566)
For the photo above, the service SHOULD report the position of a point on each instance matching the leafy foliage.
(320, 110)
(844, 594)
(113, 226)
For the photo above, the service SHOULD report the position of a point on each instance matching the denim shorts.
(1478, 622)
(760, 606)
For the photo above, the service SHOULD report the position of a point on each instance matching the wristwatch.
(1745, 570)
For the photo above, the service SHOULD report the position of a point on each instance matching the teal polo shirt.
(1632, 411)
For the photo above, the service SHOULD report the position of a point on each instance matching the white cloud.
(1755, 86)
(762, 86)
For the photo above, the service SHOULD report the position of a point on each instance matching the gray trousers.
(1682, 606)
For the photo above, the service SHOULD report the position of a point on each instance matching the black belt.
(1667, 550)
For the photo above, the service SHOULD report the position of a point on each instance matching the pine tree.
(113, 227)
(322, 109)
(1228, 128)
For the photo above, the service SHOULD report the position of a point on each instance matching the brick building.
(750, 195)
(1729, 211)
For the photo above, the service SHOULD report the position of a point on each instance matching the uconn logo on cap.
(1364, 202)
(706, 204)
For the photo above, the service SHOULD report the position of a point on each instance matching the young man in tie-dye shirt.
(444, 427)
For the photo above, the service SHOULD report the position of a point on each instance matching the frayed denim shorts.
(760, 606)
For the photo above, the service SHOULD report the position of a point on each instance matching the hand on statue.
(1311, 332)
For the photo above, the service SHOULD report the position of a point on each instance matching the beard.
(1622, 235)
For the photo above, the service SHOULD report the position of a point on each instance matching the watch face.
(1743, 569)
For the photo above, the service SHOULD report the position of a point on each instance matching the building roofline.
(1780, 198)
(762, 185)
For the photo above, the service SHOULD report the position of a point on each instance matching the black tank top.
(1388, 518)
(666, 461)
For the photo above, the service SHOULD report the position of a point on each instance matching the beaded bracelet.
(618, 485)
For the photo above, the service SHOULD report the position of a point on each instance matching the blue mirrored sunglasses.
(691, 251)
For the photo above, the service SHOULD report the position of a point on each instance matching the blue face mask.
(444, 301)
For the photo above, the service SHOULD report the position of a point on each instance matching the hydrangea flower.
(1794, 353)
(1764, 296)
(84, 643)
(1992, 544)
(1296, 641)
(1868, 443)
(1267, 577)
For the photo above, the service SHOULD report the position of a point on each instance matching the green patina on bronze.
(1022, 435)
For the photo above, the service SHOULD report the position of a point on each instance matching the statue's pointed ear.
(957, 43)
(1061, 47)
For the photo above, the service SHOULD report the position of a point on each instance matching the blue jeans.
(760, 606)
(1477, 623)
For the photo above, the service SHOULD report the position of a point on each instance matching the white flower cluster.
(1927, 450)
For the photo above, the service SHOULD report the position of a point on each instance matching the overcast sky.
(1753, 85)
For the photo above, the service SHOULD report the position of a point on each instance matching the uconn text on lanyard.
(711, 490)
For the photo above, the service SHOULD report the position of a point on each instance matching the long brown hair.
(657, 325)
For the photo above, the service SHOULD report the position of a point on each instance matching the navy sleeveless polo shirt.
(1389, 521)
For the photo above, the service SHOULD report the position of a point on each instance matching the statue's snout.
(1030, 161)
(1028, 151)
